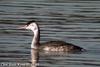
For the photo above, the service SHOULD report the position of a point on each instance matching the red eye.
(32, 25)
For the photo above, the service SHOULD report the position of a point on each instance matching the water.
(76, 22)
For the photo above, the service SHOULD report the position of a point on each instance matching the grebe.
(51, 45)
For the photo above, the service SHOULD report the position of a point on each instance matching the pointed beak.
(22, 27)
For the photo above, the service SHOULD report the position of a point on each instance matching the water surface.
(75, 22)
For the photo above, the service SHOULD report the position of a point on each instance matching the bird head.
(31, 25)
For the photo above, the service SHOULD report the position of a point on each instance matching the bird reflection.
(35, 53)
(34, 57)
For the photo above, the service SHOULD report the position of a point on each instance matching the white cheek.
(26, 28)
(31, 27)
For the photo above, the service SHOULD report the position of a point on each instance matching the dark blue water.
(76, 22)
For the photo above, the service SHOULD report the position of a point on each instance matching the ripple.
(75, 22)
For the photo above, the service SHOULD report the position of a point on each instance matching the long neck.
(36, 39)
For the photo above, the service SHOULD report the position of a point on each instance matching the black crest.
(32, 21)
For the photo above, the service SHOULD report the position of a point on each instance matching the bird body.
(59, 46)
